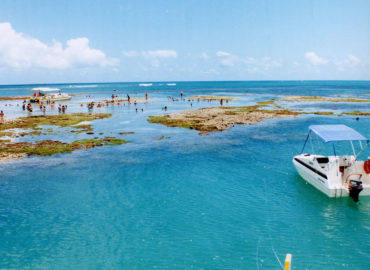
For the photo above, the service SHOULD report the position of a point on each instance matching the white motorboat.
(336, 175)
(42, 94)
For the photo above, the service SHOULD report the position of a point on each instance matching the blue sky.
(111, 41)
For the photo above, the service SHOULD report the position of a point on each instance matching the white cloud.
(353, 59)
(350, 61)
(227, 59)
(130, 53)
(222, 54)
(314, 59)
(21, 52)
(211, 71)
(265, 63)
(151, 54)
(160, 54)
(204, 56)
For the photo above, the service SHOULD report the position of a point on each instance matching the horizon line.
(174, 81)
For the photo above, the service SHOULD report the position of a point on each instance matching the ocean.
(227, 200)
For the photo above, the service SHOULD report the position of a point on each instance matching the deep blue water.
(228, 200)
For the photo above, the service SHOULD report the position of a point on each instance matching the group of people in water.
(115, 100)
(28, 106)
(173, 99)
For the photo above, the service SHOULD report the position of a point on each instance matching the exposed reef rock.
(50, 147)
(219, 118)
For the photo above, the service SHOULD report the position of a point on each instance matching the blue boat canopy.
(331, 133)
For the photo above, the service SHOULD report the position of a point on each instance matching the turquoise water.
(229, 200)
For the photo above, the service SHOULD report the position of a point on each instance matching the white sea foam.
(145, 84)
(171, 84)
(83, 123)
(83, 86)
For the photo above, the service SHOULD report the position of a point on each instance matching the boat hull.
(330, 182)
(318, 179)
(38, 100)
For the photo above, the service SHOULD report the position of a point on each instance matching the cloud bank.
(22, 52)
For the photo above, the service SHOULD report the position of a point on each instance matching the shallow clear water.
(229, 200)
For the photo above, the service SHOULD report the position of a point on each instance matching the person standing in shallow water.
(181, 94)
(146, 95)
(2, 115)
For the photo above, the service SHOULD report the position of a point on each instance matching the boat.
(336, 175)
(42, 94)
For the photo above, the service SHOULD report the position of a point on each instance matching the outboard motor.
(355, 187)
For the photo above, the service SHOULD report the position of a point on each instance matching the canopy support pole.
(313, 151)
(335, 154)
(308, 135)
(353, 149)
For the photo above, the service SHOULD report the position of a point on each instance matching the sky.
(68, 41)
